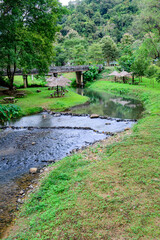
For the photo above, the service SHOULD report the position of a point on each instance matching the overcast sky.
(64, 2)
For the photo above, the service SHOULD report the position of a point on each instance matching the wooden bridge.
(55, 70)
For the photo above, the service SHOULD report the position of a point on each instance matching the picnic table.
(9, 99)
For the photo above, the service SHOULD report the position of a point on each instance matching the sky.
(64, 2)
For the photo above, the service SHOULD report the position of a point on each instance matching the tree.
(141, 61)
(28, 29)
(148, 22)
(76, 50)
(95, 53)
(109, 49)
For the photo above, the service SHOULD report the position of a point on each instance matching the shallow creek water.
(35, 141)
(106, 104)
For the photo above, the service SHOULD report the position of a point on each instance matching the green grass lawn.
(35, 102)
(70, 75)
(108, 191)
(18, 81)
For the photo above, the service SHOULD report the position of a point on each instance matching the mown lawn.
(108, 191)
(18, 81)
(35, 102)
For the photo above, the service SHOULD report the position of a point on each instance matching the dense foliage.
(91, 74)
(7, 112)
(27, 32)
(91, 32)
(100, 31)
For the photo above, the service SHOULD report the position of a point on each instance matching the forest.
(100, 31)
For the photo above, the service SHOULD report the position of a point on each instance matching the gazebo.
(56, 83)
(122, 74)
(115, 73)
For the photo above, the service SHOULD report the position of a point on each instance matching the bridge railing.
(61, 69)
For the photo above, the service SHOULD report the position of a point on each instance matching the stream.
(35, 141)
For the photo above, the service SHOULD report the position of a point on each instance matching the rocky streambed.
(41, 139)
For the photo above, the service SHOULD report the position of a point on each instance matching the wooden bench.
(57, 94)
(20, 95)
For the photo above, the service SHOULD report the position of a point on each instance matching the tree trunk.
(132, 79)
(25, 81)
(10, 75)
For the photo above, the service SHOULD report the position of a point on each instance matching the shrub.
(153, 71)
(73, 83)
(8, 112)
(91, 74)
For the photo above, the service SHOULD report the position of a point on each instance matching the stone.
(38, 91)
(94, 116)
(57, 115)
(126, 129)
(19, 200)
(33, 170)
(21, 192)
(107, 123)
(33, 143)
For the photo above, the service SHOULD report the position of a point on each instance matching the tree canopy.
(27, 32)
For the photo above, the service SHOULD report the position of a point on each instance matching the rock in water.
(94, 116)
(33, 170)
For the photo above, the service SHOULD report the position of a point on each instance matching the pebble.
(126, 129)
(33, 143)
(94, 116)
(33, 170)
(19, 200)
(57, 115)
(21, 192)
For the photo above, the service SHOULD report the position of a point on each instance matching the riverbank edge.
(34, 102)
(147, 228)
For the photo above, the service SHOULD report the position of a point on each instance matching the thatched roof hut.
(61, 81)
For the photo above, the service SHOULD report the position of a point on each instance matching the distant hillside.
(93, 19)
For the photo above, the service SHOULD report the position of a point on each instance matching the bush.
(153, 71)
(8, 112)
(73, 83)
(91, 74)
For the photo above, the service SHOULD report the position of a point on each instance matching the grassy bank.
(108, 191)
(35, 102)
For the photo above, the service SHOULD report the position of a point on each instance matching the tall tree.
(27, 32)
(148, 22)
(109, 49)
(95, 53)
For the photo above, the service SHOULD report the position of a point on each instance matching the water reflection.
(110, 105)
